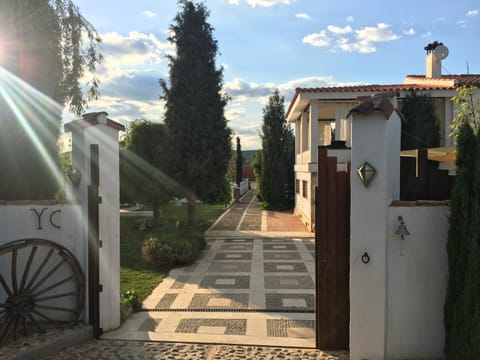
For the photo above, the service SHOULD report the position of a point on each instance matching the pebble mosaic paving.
(287, 301)
(284, 267)
(228, 327)
(247, 288)
(280, 327)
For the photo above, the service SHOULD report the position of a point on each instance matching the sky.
(284, 44)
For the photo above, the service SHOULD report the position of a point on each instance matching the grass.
(135, 272)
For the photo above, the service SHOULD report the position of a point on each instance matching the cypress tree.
(239, 163)
(421, 129)
(276, 160)
(199, 138)
(457, 246)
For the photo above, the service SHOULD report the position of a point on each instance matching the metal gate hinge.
(99, 199)
(100, 243)
(100, 288)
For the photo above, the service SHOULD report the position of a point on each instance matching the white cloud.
(379, 33)
(263, 3)
(338, 30)
(427, 34)
(410, 31)
(320, 39)
(360, 40)
(350, 18)
(149, 14)
(124, 54)
(302, 16)
(473, 12)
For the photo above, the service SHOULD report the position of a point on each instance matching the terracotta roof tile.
(462, 79)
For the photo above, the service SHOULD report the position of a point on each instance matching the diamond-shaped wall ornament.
(366, 172)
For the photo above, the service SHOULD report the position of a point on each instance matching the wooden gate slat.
(332, 252)
(321, 250)
(332, 266)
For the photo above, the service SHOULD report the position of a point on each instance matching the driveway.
(253, 285)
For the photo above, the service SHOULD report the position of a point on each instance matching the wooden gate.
(332, 240)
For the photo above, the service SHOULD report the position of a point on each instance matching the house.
(320, 119)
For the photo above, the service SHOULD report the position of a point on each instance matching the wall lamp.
(402, 231)
(366, 172)
(75, 176)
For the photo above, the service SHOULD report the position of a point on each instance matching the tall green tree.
(462, 306)
(142, 167)
(273, 172)
(199, 138)
(421, 128)
(42, 48)
(239, 163)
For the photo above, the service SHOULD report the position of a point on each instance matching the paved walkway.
(252, 285)
(245, 289)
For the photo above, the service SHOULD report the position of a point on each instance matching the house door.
(332, 240)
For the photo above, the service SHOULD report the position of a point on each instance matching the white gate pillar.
(376, 128)
(96, 128)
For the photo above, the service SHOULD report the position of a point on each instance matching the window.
(305, 189)
(297, 186)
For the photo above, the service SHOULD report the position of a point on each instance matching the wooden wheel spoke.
(38, 272)
(16, 328)
(58, 283)
(27, 267)
(5, 286)
(24, 325)
(14, 271)
(50, 273)
(51, 321)
(56, 296)
(34, 322)
(6, 330)
(40, 268)
(54, 308)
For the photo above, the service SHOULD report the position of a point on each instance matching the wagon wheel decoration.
(41, 284)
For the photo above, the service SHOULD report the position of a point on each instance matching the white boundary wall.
(60, 222)
(396, 301)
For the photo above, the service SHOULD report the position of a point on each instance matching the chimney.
(436, 52)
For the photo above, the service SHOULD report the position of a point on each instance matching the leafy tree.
(462, 307)
(42, 45)
(468, 112)
(199, 138)
(239, 163)
(273, 172)
(421, 128)
(142, 165)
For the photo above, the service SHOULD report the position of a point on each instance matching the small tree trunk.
(191, 207)
(156, 214)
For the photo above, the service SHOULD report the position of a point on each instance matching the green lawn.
(135, 273)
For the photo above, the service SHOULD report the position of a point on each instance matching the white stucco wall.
(376, 140)
(303, 205)
(18, 221)
(416, 282)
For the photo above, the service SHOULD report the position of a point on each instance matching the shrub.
(188, 249)
(157, 252)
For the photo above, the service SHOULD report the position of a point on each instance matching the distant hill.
(248, 156)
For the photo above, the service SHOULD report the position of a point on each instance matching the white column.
(99, 130)
(313, 141)
(377, 140)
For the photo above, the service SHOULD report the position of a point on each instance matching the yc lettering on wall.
(47, 217)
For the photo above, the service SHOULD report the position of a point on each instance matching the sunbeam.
(27, 103)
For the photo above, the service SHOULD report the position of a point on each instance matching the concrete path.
(251, 286)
